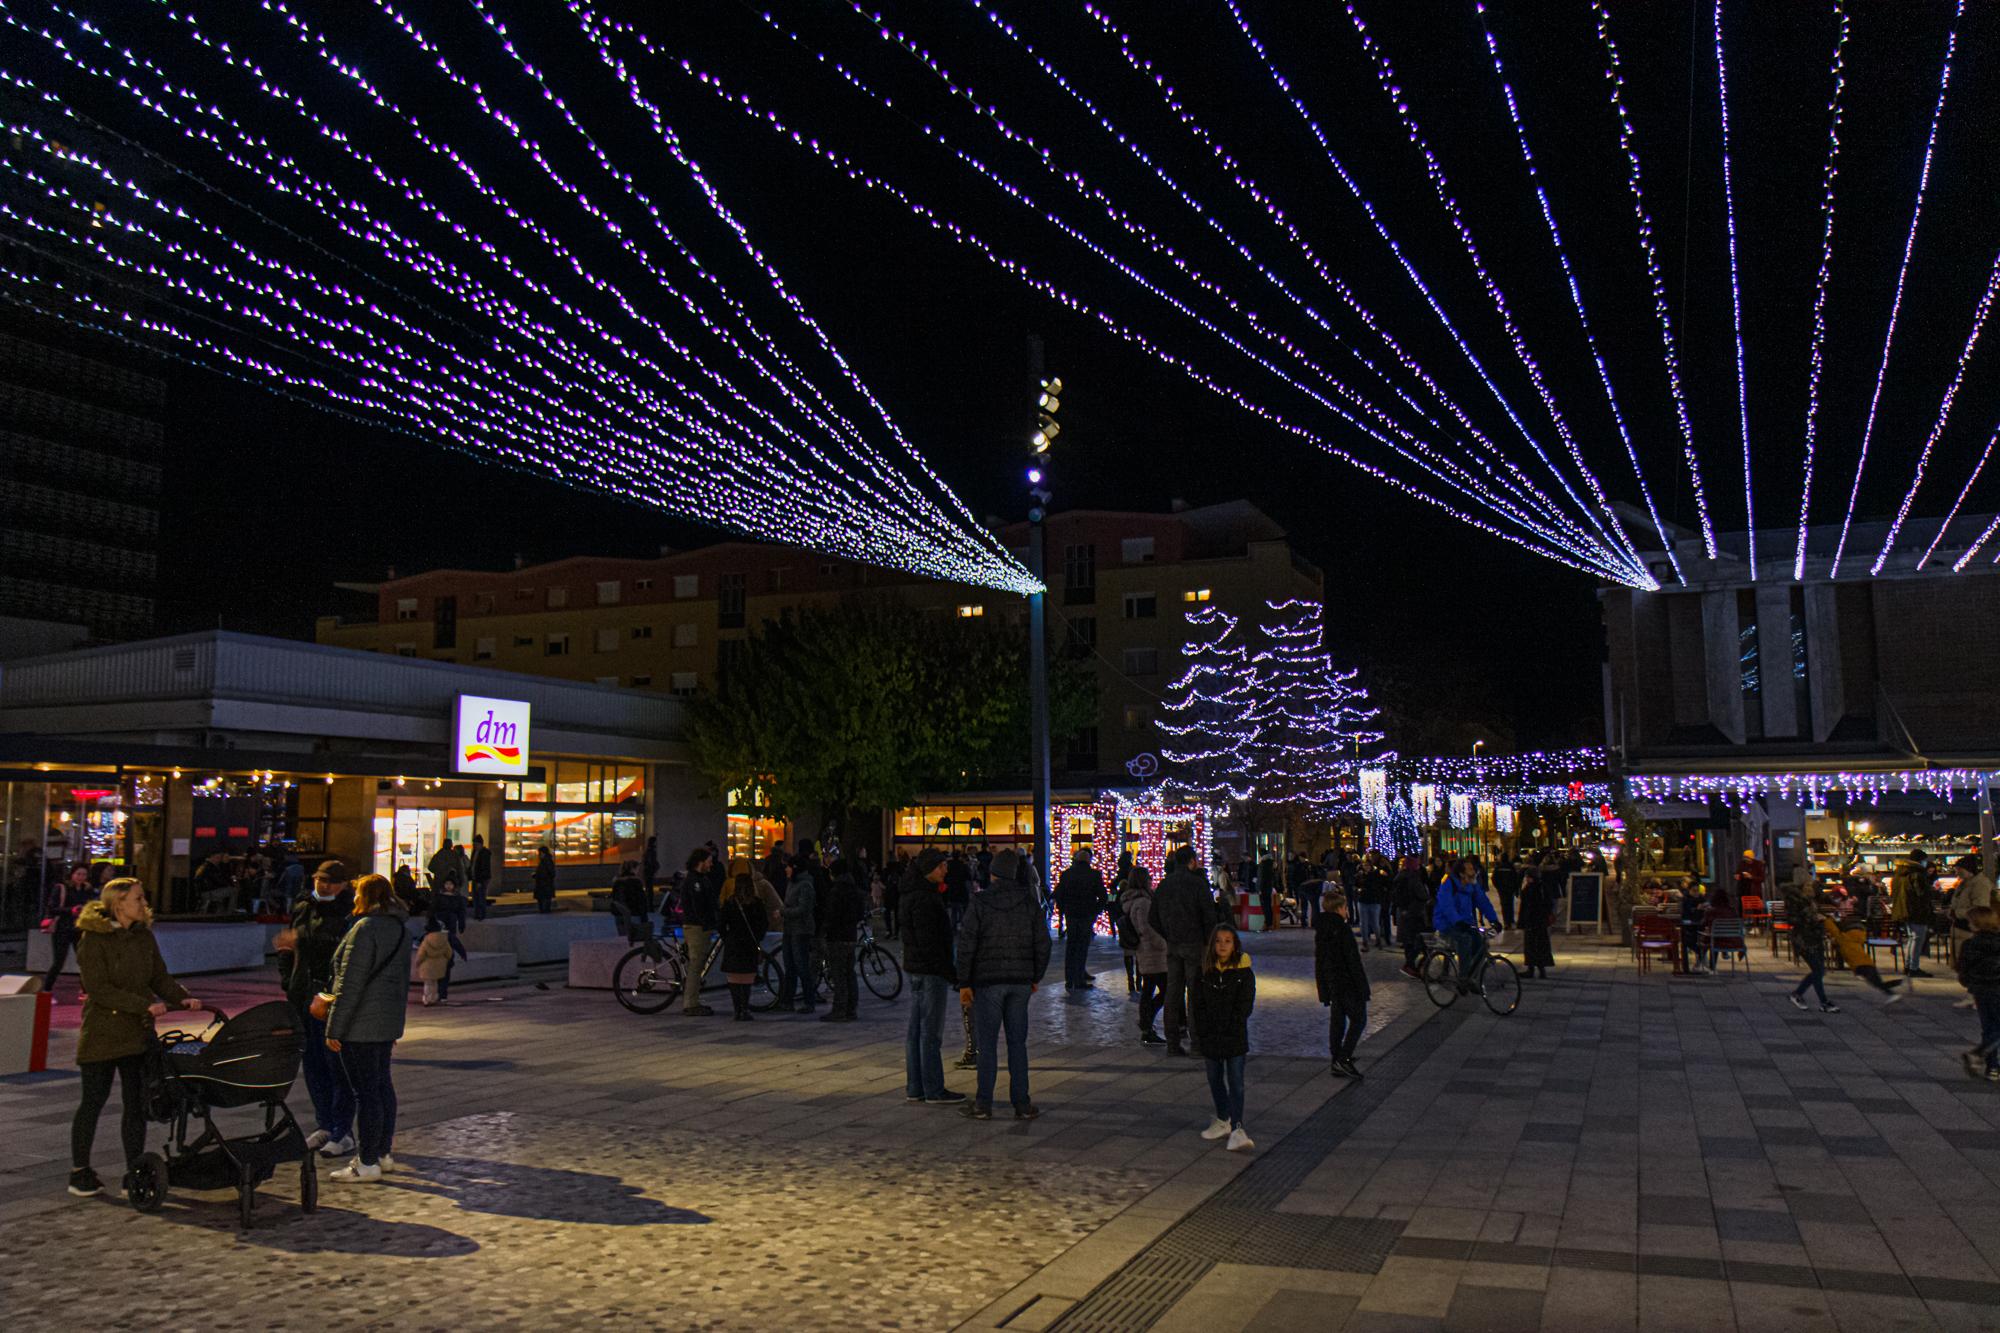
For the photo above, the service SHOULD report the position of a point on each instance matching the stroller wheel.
(308, 1185)
(146, 1183)
(246, 1202)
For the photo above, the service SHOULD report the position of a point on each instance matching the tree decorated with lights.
(1396, 833)
(1313, 728)
(1207, 726)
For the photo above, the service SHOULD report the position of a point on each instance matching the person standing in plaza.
(1410, 894)
(1913, 907)
(1081, 898)
(1979, 973)
(1975, 889)
(801, 918)
(1149, 955)
(701, 902)
(841, 915)
(741, 921)
(630, 903)
(1507, 885)
(320, 920)
(1003, 950)
(482, 875)
(1185, 914)
(927, 960)
(1220, 1002)
(1372, 894)
(1342, 981)
(364, 1021)
(450, 871)
(545, 880)
(71, 894)
(649, 864)
(433, 961)
(957, 887)
(1536, 917)
(124, 981)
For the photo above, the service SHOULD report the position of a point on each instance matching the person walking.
(1185, 914)
(1975, 889)
(927, 961)
(801, 918)
(1081, 899)
(740, 922)
(1220, 1002)
(841, 916)
(482, 875)
(1536, 916)
(701, 905)
(1979, 973)
(1809, 942)
(433, 961)
(1912, 906)
(320, 920)
(125, 985)
(1342, 982)
(364, 1021)
(545, 880)
(1372, 894)
(1149, 956)
(1410, 896)
(1003, 950)
(60, 913)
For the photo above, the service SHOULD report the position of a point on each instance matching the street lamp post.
(1047, 404)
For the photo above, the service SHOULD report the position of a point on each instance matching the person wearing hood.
(126, 984)
(320, 919)
(1149, 953)
(1081, 899)
(933, 976)
(1460, 905)
(841, 916)
(1912, 907)
(1003, 950)
(364, 1020)
(1219, 1005)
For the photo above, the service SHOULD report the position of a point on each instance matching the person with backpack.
(1979, 973)
(1342, 982)
(1220, 1002)
(1003, 950)
(1149, 951)
(1081, 898)
(1185, 913)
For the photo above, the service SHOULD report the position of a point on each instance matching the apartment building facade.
(1120, 584)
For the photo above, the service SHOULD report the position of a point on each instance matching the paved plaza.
(1624, 1152)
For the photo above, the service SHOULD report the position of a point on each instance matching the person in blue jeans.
(1219, 1005)
(1460, 905)
(1003, 950)
(927, 960)
(320, 920)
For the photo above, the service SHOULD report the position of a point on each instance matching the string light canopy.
(1946, 784)
(431, 235)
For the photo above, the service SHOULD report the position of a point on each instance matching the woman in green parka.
(125, 985)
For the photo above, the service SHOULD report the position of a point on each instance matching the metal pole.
(1038, 703)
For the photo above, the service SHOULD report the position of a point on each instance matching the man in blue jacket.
(1460, 904)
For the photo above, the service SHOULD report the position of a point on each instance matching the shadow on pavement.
(543, 1193)
(281, 1226)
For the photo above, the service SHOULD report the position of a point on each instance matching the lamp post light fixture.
(1047, 403)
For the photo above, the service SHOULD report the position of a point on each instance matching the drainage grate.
(1240, 1225)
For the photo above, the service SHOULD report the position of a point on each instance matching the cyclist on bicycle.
(1460, 904)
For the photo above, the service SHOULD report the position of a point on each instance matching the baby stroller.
(250, 1060)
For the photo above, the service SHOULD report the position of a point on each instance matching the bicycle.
(878, 968)
(649, 978)
(1498, 982)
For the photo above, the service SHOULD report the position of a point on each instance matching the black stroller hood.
(253, 1058)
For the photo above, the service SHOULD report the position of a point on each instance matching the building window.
(684, 682)
(826, 569)
(558, 597)
(729, 601)
(1195, 595)
(483, 649)
(607, 592)
(1080, 754)
(970, 611)
(1079, 574)
(641, 682)
(686, 635)
(686, 586)
(1082, 639)
(444, 623)
(1136, 550)
(1135, 717)
(482, 605)
(557, 646)
(777, 577)
(406, 608)
(406, 650)
(524, 640)
(524, 594)
(728, 654)
(607, 680)
(643, 585)
(641, 632)
(1142, 661)
(1141, 605)
(607, 640)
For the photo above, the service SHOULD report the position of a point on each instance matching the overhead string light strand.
(1821, 282)
(1735, 299)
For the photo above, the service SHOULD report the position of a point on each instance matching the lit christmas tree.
(1206, 713)
(1313, 728)
(1396, 833)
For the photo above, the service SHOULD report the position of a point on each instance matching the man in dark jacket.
(1081, 897)
(1343, 985)
(1003, 950)
(701, 899)
(840, 918)
(1184, 911)
(1411, 897)
(482, 875)
(957, 887)
(926, 933)
(305, 967)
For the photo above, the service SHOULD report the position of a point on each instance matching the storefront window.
(625, 784)
(526, 831)
(573, 784)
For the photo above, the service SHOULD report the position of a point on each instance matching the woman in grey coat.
(1135, 900)
(371, 987)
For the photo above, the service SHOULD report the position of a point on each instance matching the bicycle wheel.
(647, 980)
(1440, 979)
(881, 974)
(1500, 983)
(771, 979)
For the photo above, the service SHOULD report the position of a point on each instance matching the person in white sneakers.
(1219, 1004)
(371, 987)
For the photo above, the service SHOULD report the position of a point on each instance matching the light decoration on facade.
(1945, 784)
(480, 324)
(1374, 793)
(1459, 807)
(1424, 803)
(1503, 818)
(1536, 765)
(1152, 814)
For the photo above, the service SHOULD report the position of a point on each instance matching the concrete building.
(1119, 585)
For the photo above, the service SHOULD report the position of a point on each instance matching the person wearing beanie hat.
(320, 919)
(928, 962)
(1003, 950)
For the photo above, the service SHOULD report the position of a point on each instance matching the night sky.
(269, 502)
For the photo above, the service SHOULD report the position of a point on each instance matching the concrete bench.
(537, 937)
(591, 962)
(189, 947)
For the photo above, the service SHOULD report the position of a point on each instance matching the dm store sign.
(491, 736)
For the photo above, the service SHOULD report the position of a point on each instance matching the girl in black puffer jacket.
(1219, 1004)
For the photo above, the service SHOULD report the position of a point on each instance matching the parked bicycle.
(650, 977)
(1498, 981)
